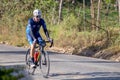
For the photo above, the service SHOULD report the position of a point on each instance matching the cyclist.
(32, 32)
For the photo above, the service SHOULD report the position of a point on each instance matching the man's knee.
(33, 45)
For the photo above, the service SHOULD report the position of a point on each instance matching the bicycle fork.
(44, 59)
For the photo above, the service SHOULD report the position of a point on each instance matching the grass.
(7, 74)
(65, 34)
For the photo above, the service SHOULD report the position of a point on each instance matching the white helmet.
(36, 12)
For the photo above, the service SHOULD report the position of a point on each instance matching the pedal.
(44, 63)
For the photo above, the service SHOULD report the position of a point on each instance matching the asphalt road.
(63, 67)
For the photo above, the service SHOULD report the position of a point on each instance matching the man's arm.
(31, 32)
(45, 30)
(46, 33)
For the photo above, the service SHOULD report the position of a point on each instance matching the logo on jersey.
(34, 26)
(38, 26)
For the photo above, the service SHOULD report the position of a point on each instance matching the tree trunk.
(98, 14)
(74, 5)
(84, 14)
(119, 10)
(60, 11)
(108, 7)
(92, 14)
(53, 15)
(0, 30)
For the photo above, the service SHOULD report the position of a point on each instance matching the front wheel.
(44, 64)
(28, 63)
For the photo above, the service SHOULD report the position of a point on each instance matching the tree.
(84, 14)
(108, 6)
(60, 10)
(98, 13)
(119, 10)
(92, 14)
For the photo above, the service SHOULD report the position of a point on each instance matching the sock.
(32, 59)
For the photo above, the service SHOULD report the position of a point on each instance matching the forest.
(81, 27)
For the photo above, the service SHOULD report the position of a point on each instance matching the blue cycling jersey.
(35, 27)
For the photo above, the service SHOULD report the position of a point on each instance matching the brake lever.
(51, 43)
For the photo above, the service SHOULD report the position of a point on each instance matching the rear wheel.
(44, 64)
(30, 69)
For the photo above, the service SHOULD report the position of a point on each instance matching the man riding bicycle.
(32, 32)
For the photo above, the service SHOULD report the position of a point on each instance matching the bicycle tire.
(29, 69)
(45, 68)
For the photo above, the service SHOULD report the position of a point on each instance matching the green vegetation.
(6, 74)
(72, 30)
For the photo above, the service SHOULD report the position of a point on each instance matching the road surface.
(63, 67)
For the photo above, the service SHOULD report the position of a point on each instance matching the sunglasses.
(37, 16)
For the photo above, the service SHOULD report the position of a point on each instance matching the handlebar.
(46, 41)
(50, 42)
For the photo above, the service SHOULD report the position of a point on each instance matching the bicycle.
(42, 60)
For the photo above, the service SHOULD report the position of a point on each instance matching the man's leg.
(40, 40)
(32, 45)
(32, 50)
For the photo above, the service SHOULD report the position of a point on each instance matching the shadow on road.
(12, 62)
(101, 78)
(89, 76)
(85, 61)
(22, 52)
(64, 74)
(14, 52)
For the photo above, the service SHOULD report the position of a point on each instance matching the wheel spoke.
(28, 65)
(45, 64)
